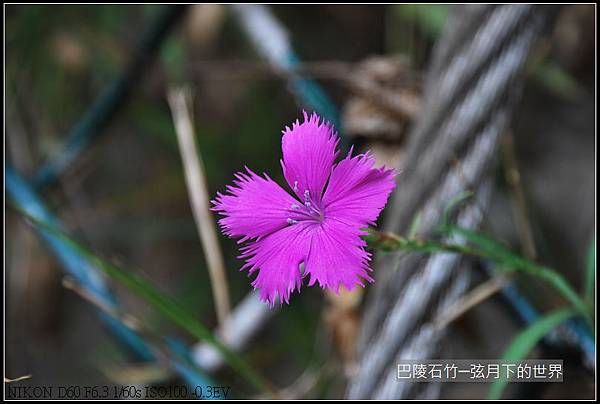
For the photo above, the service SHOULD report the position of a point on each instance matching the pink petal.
(254, 207)
(322, 229)
(337, 256)
(357, 192)
(277, 259)
(309, 150)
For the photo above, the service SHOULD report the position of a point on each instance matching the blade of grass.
(161, 346)
(525, 341)
(162, 303)
(89, 278)
(489, 247)
(25, 199)
(590, 278)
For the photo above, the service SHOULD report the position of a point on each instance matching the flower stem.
(482, 247)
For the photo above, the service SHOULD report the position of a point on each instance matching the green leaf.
(555, 79)
(525, 341)
(492, 248)
(590, 279)
(430, 17)
(505, 258)
(161, 302)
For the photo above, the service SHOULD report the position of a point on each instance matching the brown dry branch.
(180, 101)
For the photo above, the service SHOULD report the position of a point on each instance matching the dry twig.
(180, 101)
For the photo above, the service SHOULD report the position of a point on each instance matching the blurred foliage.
(74, 44)
(555, 79)
(430, 17)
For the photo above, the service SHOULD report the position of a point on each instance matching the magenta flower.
(320, 225)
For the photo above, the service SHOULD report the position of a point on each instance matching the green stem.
(393, 242)
(525, 341)
(561, 284)
(488, 249)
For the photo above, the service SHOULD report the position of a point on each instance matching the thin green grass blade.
(590, 278)
(162, 303)
(525, 341)
(491, 248)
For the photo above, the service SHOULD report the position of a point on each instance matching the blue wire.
(311, 93)
(106, 105)
(77, 266)
(576, 328)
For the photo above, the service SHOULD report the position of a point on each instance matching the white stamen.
(291, 221)
(307, 195)
(294, 206)
(295, 186)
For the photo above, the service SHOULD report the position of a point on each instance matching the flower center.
(308, 211)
